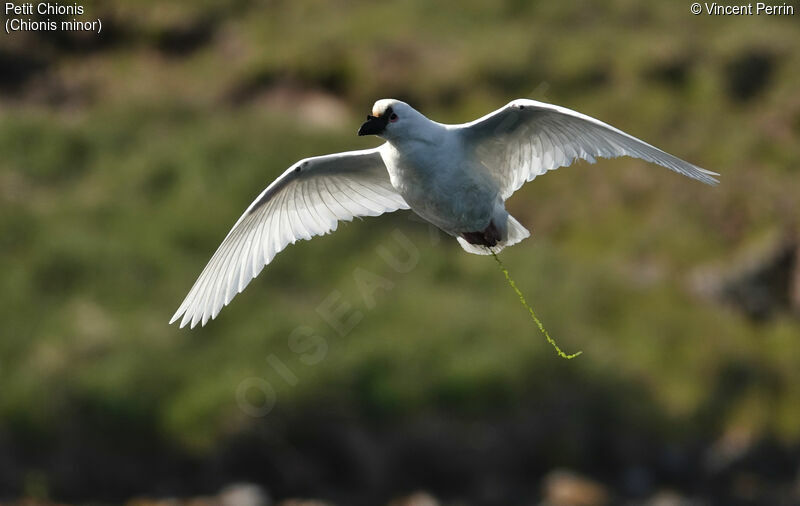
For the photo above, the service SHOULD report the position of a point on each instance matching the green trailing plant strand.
(530, 310)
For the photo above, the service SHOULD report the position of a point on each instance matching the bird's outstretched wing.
(307, 200)
(527, 138)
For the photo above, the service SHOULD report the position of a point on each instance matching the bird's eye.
(393, 117)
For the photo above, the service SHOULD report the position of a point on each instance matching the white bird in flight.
(454, 176)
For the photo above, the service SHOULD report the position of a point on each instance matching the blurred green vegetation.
(126, 158)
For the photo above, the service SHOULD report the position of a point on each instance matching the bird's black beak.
(375, 125)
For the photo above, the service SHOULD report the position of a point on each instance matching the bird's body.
(455, 176)
(441, 184)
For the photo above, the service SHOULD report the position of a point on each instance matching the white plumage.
(455, 176)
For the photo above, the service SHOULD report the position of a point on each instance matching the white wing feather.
(309, 199)
(527, 138)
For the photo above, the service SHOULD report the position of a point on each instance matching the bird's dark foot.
(489, 236)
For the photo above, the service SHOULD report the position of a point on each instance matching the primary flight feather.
(454, 176)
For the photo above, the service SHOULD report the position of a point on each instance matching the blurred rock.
(731, 447)
(244, 494)
(293, 97)
(673, 72)
(668, 498)
(147, 501)
(565, 488)
(763, 282)
(185, 36)
(18, 69)
(238, 494)
(416, 499)
(749, 73)
(303, 502)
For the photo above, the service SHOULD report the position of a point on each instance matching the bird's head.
(391, 119)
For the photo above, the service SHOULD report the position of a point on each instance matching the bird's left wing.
(527, 138)
(307, 200)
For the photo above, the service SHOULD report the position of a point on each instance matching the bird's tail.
(515, 233)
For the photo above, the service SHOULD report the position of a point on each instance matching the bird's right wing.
(527, 138)
(309, 199)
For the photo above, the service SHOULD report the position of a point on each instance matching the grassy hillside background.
(125, 158)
